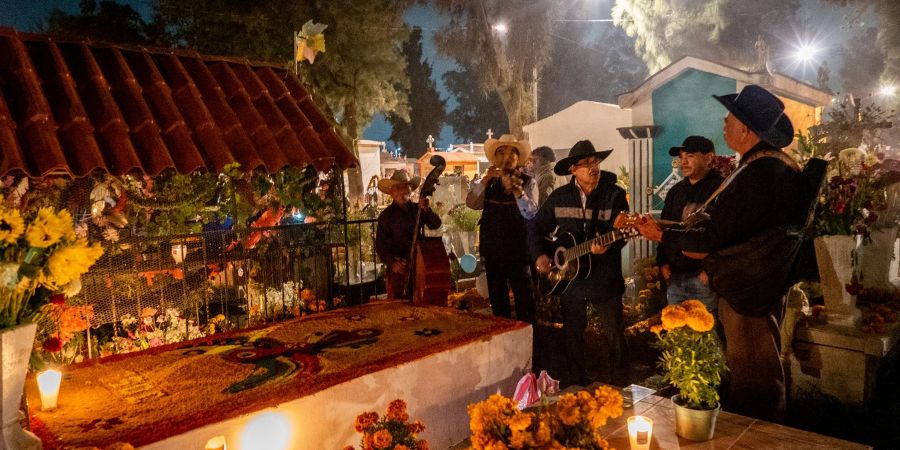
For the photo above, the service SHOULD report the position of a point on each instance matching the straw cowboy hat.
(762, 112)
(523, 148)
(581, 150)
(399, 177)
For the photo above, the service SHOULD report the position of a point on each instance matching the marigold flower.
(400, 447)
(693, 304)
(397, 411)
(519, 439)
(700, 320)
(365, 420)
(519, 422)
(11, 225)
(673, 316)
(568, 410)
(382, 438)
(422, 445)
(416, 427)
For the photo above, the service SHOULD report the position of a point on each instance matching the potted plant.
(392, 431)
(40, 255)
(692, 361)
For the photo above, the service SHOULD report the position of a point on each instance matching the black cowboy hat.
(581, 150)
(762, 112)
(694, 144)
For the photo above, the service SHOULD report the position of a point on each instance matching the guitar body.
(557, 280)
(432, 282)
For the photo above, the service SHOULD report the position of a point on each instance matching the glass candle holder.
(640, 430)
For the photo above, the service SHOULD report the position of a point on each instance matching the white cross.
(430, 141)
(490, 133)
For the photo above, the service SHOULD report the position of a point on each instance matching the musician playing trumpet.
(507, 197)
(396, 227)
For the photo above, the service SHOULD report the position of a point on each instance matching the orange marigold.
(382, 438)
(673, 316)
(422, 445)
(693, 304)
(397, 411)
(700, 320)
(400, 447)
(568, 410)
(519, 422)
(365, 420)
(416, 427)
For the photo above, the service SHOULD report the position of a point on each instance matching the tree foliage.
(597, 67)
(107, 21)
(476, 111)
(720, 30)
(503, 62)
(426, 108)
(358, 75)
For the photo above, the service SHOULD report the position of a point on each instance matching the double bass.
(432, 265)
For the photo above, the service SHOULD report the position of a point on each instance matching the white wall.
(369, 161)
(585, 120)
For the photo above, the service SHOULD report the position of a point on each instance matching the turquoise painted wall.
(683, 107)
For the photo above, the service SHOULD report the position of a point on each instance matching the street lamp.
(887, 90)
(500, 27)
(806, 52)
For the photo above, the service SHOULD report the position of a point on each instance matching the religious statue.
(823, 76)
(762, 54)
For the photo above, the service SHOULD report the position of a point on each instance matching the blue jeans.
(686, 287)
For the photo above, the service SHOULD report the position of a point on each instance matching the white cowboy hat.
(523, 147)
(399, 177)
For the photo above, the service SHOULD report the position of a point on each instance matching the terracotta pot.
(15, 350)
(695, 424)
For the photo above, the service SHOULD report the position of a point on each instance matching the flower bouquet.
(574, 421)
(692, 362)
(393, 431)
(38, 257)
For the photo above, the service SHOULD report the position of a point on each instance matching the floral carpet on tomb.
(148, 396)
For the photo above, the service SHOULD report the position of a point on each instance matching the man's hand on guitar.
(598, 249)
(423, 203)
(543, 264)
(649, 228)
(666, 271)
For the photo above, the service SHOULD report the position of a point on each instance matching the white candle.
(640, 429)
(48, 384)
(216, 443)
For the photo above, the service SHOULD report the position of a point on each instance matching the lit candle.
(48, 384)
(640, 429)
(216, 443)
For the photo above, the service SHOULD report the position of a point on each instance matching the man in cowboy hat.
(585, 207)
(685, 278)
(761, 195)
(396, 229)
(507, 197)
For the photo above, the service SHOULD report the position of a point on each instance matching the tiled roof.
(71, 108)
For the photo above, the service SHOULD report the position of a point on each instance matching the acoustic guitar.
(571, 260)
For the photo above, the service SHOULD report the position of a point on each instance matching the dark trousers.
(757, 384)
(574, 302)
(503, 275)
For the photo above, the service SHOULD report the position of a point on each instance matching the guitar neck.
(585, 247)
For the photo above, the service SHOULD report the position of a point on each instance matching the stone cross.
(430, 141)
(490, 133)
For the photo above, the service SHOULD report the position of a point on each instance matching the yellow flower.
(693, 304)
(656, 329)
(69, 262)
(519, 439)
(700, 320)
(519, 422)
(11, 225)
(673, 316)
(317, 42)
(48, 228)
(568, 411)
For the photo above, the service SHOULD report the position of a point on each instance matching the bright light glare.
(500, 27)
(267, 431)
(887, 90)
(806, 52)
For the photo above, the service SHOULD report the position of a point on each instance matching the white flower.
(111, 234)
(128, 320)
(9, 274)
(73, 288)
(81, 230)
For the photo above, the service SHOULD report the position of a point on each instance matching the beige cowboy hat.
(523, 147)
(399, 177)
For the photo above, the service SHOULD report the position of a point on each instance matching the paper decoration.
(309, 41)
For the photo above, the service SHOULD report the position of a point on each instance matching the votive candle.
(640, 429)
(48, 383)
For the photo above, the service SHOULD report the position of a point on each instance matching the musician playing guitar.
(584, 208)
(396, 228)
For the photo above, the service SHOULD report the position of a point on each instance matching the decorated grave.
(319, 371)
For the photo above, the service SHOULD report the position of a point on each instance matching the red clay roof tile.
(77, 107)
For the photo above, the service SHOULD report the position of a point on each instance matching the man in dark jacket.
(507, 197)
(685, 277)
(763, 194)
(396, 228)
(586, 207)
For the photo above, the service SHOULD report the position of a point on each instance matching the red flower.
(58, 299)
(52, 345)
